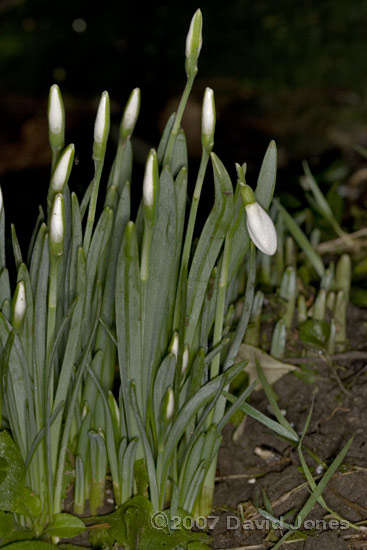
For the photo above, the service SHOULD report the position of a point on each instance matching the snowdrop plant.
(103, 289)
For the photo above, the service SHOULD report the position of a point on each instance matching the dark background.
(290, 70)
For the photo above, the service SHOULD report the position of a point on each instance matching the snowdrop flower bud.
(101, 127)
(56, 118)
(63, 168)
(208, 120)
(150, 184)
(1, 201)
(193, 44)
(185, 359)
(57, 226)
(130, 115)
(170, 406)
(259, 224)
(174, 345)
(20, 305)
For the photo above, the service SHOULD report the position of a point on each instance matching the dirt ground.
(261, 460)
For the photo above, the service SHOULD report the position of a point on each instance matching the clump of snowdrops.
(100, 291)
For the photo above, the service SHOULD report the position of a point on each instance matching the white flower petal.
(261, 228)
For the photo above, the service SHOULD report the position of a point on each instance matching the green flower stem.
(55, 262)
(177, 122)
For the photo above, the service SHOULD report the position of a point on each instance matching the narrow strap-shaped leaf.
(35, 259)
(209, 245)
(190, 465)
(191, 407)
(266, 181)
(147, 451)
(302, 240)
(179, 154)
(163, 380)
(127, 471)
(164, 139)
(161, 271)
(128, 318)
(16, 248)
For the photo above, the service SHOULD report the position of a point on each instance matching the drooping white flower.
(261, 228)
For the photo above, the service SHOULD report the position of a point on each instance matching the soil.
(260, 460)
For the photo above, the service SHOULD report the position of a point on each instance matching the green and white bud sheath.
(56, 247)
(101, 132)
(130, 115)
(259, 224)
(150, 191)
(56, 123)
(19, 307)
(208, 120)
(173, 347)
(101, 128)
(194, 41)
(57, 226)
(61, 174)
(170, 405)
(193, 46)
(207, 141)
(63, 168)
(185, 359)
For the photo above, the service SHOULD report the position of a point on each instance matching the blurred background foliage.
(290, 70)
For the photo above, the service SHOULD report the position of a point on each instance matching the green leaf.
(12, 473)
(65, 525)
(29, 503)
(209, 246)
(315, 332)
(266, 181)
(7, 524)
(302, 240)
(30, 545)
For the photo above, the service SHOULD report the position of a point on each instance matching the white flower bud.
(174, 345)
(170, 404)
(1, 201)
(131, 114)
(63, 169)
(102, 119)
(57, 222)
(20, 303)
(208, 119)
(151, 170)
(261, 228)
(185, 359)
(56, 119)
(194, 42)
